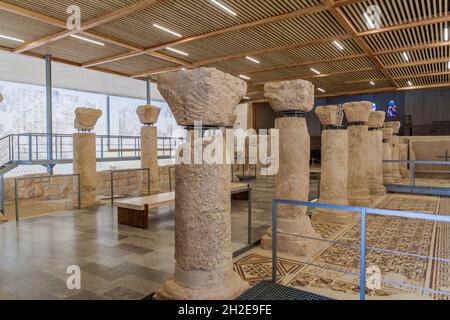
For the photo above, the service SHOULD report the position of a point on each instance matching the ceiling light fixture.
(176, 34)
(405, 56)
(11, 38)
(253, 60)
(87, 40)
(246, 98)
(446, 34)
(321, 90)
(369, 21)
(315, 71)
(178, 51)
(244, 77)
(410, 83)
(448, 65)
(372, 83)
(224, 7)
(338, 45)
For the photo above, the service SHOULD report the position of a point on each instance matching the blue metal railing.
(413, 188)
(364, 212)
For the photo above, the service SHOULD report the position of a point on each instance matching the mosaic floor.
(335, 271)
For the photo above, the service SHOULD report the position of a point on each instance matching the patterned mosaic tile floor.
(335, 271)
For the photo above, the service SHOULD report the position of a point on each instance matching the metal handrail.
(363, 211)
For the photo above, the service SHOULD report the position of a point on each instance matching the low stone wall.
(125, 183)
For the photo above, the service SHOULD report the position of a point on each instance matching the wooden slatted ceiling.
(287, 36)
(193, 17)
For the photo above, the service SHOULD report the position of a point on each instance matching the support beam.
(49, 110)
(148, 86)
(122, 12)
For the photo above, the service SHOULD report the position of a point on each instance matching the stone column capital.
(394, 125)
(148, 114)
(285, 96)
(358, 111)
(331, 115)
(376, 119)
(86, 118)
(204, 95)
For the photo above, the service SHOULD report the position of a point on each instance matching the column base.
(231, 288)
(377, 189)
(333, 216)
(3, 219)
(360, 201)
(294, 245)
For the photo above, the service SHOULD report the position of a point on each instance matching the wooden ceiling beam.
(290, 15)
(348, 26)
(119, 13)
(414, 47)
(31, 15)
(417, 63)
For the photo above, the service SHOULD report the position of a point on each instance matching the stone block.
(148, 114)
(376, 119)
(296, 95)
(86, 118)
(330, 115)
(358, 111)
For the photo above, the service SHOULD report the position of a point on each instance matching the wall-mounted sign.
(392, 109)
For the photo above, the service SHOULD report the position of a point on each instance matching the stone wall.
(127, 183)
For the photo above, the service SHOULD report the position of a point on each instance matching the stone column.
(375, 155)
(84, 154)
(334, 166)
(357, 114)
(292, 98)
(203, 251)
(148, 116)
(388, 176)
(395, 141)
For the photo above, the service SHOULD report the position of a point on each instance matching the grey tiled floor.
(117, 262)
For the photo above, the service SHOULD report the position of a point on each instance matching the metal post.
(16, 199)
(250, 216)
(112, 188)
(48, 86)
(30, 147)
(274, 240)
(170, 179)
(362, 271)
(108, 120)
(149, 90)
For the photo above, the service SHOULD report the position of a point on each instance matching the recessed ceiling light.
(449, 65)
(87, 40)
(253, 60)
(244, 77)
(321, 90)
(410, 83)
(315, 71)
(338, 45)
(369, 21)
(446, 34)
(176, 34)
(405, 56)
(11, 38)
(178, 51)
(224, 7)
(372, 83)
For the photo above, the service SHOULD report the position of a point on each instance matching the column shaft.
(403, 155)
(85, 164)
(292, 183)
(334, 174)
(375, 163)
(358, 186)
(149, 156)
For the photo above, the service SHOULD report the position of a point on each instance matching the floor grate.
(267, 290)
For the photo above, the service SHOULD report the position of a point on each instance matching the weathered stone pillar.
(334, 165)
(148, 115)
(292, 98)
(203, 251)
(395, 141)
(84, 154)
(357, 114)
(375, 155)
(388, 176)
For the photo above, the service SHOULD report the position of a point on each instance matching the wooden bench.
(133, 212)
